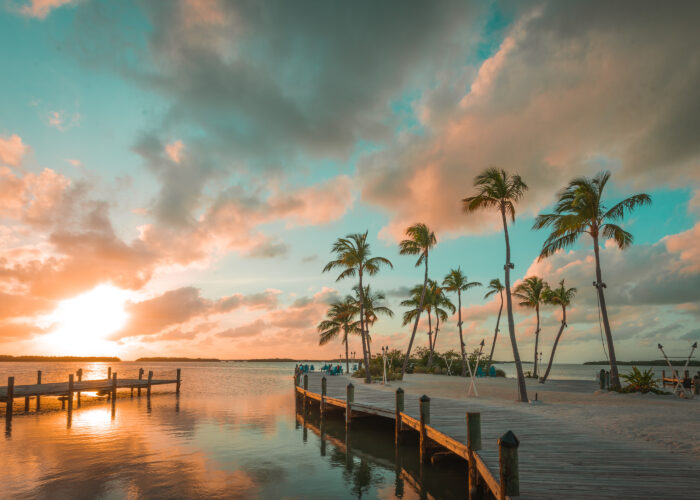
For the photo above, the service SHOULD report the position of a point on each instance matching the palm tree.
(372, 308)
(419, 242)
(501, 191)
(456, 281)
(561, 296)
(414, 305)
(580, 210)
(353, 256)
(439, 303)
(530, 294)
(339, 318)
(495, 287)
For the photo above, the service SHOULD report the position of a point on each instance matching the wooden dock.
(541, 458)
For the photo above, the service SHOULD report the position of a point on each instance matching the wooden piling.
(26, 403)
(177, 387)
(148, 387)
(424, 403)
(138, 393)
(306, 388)
(38, 398)
(349, 399)
(473, 445)
(10, 397)
(508, 465)
(114, 385)
(109, 372)
(80, 379)
(323, 396)
(397, 421)
(602, 378)
(70, 393)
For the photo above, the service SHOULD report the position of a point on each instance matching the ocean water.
(233, 432)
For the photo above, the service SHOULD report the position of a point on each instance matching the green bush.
(638, 381)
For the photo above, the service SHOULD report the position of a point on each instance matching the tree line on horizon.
(578, 210)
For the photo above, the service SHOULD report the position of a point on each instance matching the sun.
(80, 325)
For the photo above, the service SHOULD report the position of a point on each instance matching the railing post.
(177, 387)
(38, 398)
(10, 397)
(323, 395)
(138, 392)
(70, 393)
(148, 387)
(349, 399)
(473, 445)
(399, 409)
(424, 420)
(508, 465)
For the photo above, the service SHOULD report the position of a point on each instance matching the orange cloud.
(39, 9)
(12, 150)
(687, 244)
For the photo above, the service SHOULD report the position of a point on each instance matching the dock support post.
(10, 398)
(473, 444)
(349, 400)
(70, 393)
(38, 398)
(80, 379)
(508, 465)
(148, 387)
(109, 372)
(177, 387)
(26, 403)
(399, 409)
(114, 385)
(424, 403)
(323, 396)
(140, 378)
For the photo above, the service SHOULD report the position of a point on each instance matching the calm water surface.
(232, 433)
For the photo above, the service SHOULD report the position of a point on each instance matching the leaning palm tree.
(414, 305)
(561, 296)
(501, 191)
(373, 307)
(456, 281)
(339, 318)
(440, 305)
(353, 257)
(495, 287)
(530, 294)
(419, 242)
(580, 210)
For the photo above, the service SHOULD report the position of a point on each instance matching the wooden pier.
(512, 452)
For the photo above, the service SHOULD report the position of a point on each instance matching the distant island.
(181, 360)
(6, 357)
(656, 362)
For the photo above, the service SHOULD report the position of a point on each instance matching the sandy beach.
(664, 421)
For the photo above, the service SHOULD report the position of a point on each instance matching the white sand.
(665, 421)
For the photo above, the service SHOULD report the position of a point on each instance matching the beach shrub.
(640, 381)
(500, 373)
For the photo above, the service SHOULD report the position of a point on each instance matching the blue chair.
(492, 371)
(479, 372)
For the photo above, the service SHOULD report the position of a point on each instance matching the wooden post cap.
(424, 399)
(399, 390)
(508, 440)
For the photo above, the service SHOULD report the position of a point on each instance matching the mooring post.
(399, 409)
(140, 378)
(109, 372)
(508, 465)
(349, 400)
(177, 387)
(663, 378)
(323, 396)
(602, 378)
(38, 398)
(424, 403)
(10, 397)
(306, 388)
(80, 379)
(148, 388)
(114, 385)
(473, 445)
(70, 393)
(607, 380)
(26, 403)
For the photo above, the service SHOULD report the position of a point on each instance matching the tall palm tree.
(373, 306)
(456, 281)
(440, 304)
(580, 210)
(419, 242)
(339, 318)
(501, 191)
(561, 296)
(495, 287)
(353, 257)
(530, 294)
(414, 305)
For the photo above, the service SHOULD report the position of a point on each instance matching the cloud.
(12, 150)
(39, 9)
(248, 330)
(63, 121)
(174, 151)
(687, 245)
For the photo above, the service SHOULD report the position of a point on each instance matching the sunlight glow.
(81, 324)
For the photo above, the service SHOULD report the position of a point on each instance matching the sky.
(173, 174)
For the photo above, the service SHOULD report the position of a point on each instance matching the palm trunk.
(415, 323)
(537, 339)
(522, 389)
(437, 329)
(614, 376)
(430, 340)
(495, 334)
(347, 362)
(554, 347)
(369, 342)
(461, 337)
(368, 375)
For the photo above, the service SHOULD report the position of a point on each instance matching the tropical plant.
(640, 381)
(580, 210)
(495, 287)
(562, 297)
(373, 307)
(353, 257)
(529, 291)
(339, 319)
(456, 281)
(440, 305)
(415, 307)
(496, 189)
(420, 239)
